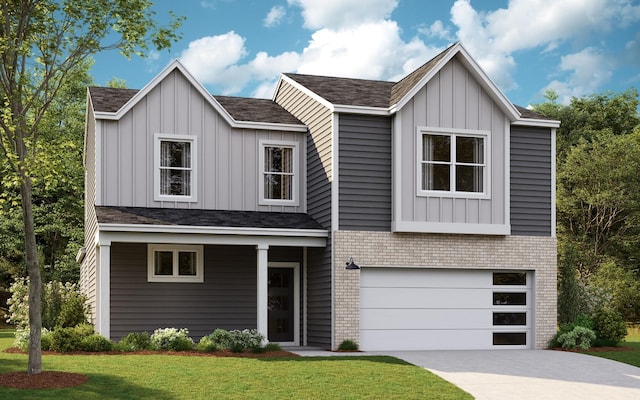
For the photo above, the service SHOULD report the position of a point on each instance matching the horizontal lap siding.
(319, 176)
(365, 173)
(531, 196)
(226, 299)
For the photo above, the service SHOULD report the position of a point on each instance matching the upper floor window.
(452, 162)
(278, 174)
(175, 173)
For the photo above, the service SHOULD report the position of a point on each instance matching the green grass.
(628, 357)
(183, 377)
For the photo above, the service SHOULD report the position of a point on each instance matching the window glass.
(278, 173)
(509, 299)
(509, 338)
(163, 263)
(507, 318)
(509, 278)
(187, 263)
(175, 168)
(453, 157)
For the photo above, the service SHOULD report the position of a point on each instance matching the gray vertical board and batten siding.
(531, 181)
(365, 173)
(319, 176)
(226, 299)
(452, 99)
(227, 169)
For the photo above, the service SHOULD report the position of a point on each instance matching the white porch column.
(103, 268)
(262, 301)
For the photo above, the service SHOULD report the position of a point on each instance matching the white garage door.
(444, 309)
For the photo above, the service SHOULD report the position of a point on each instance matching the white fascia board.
(217, 230)
(451, 228)
(108, 237)
(346, 109)
(176, 64)
(306, 91)
(542, 123)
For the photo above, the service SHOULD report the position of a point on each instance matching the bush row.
(83, 338)
(605, 328)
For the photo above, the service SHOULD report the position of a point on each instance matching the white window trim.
(296, 174)
(158, 138)
(422, 130)
(175, 248)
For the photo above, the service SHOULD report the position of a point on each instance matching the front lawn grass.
(628, 357)
(192, 377)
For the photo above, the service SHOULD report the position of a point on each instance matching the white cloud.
(437, 30)
(493, 37)
(339, 14)
(587, 70)
(274, 17)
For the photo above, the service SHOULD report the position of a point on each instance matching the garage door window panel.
(509, 298)
(509, 318)
(509, 278)
(509, 338)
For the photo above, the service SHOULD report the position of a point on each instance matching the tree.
(41, 44)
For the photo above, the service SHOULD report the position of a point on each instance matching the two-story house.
(416, 214)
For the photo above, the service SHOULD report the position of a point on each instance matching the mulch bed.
(56, 379)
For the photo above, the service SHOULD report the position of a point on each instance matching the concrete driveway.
(530, 374)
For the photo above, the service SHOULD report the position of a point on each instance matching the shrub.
(171, 339)
(272, 347)
(235, 340)
(246, 339)
(62, 305)
(69, 339)
(22, 339)
(348, 345)
(609, 327)
(581, 320)
(135, 341)
(95, 342)
(580, 337)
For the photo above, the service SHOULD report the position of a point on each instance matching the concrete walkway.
(522, 374)
(530, 374)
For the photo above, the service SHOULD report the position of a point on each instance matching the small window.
(509, 318)
(179, 263)
(509, 299)
(509, 278)
(452, 162)
(278, 173)
(509, 338)
(175, 173)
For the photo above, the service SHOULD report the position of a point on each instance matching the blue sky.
(239, 47)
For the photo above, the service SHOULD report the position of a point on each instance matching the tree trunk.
(35, 281)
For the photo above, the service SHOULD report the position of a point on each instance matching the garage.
(445, 309)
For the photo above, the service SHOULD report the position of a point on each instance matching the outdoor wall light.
(351, 264)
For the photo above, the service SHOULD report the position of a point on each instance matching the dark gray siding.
(531, 199)
(226, 299)
(365, 173)
(319, 297)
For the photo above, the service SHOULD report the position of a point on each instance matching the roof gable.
(113, 103)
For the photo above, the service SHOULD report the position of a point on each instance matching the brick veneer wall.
(386, 249)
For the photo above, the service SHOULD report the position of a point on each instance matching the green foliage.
(22, 339)
(62, 305)
(95, 343)
(135, 341)
(578, 337)
(171, 339)
(581, 320)
(348, 345)
(609, 327)
(622, 287)
(272, 347)
(70, 339)
(234, 340)
(569, 290)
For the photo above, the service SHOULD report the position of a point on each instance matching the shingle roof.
(347, 91)
(526, 113)
(208, 218)
(106, 99)
(256, 110)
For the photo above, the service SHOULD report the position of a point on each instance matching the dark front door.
(281, 315)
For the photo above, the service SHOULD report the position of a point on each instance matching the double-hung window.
(452, 162)
(175, 162)
(175, 263)
(278, 173)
